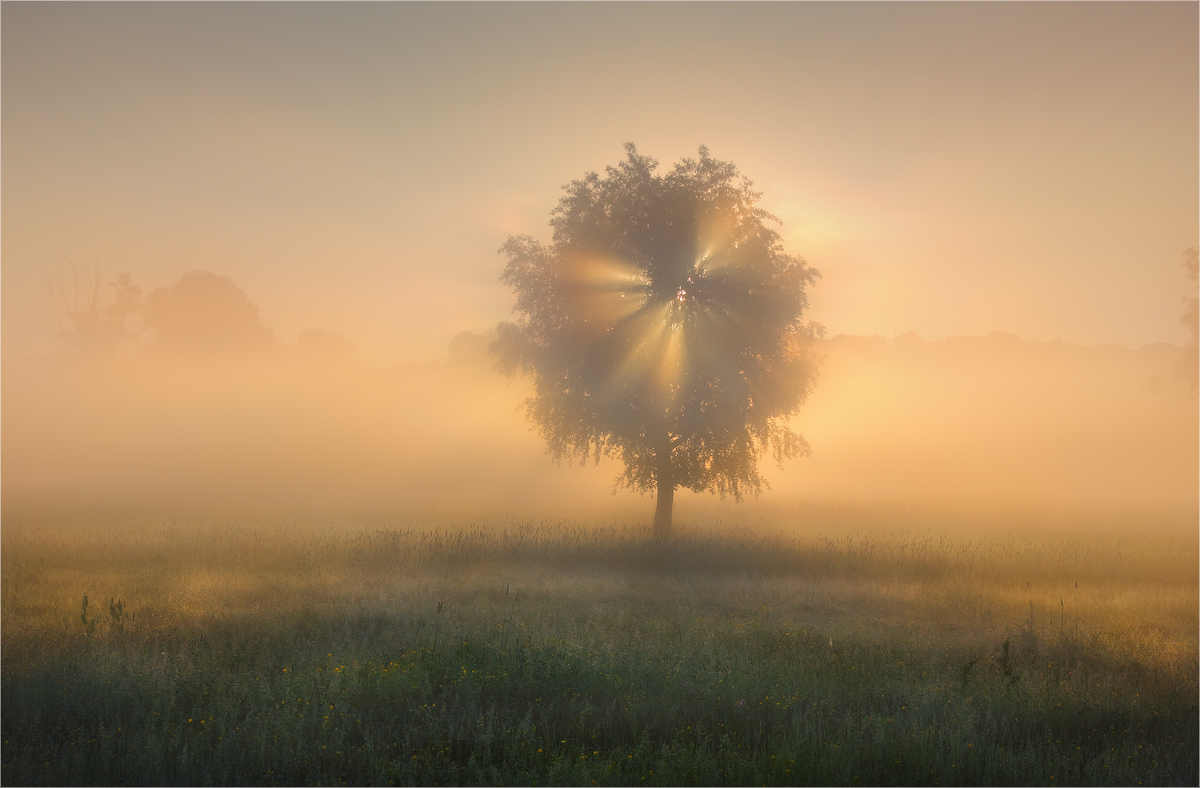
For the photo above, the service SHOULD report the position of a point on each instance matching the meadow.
(827, 645)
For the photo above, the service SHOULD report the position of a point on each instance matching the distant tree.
(322, 346)
(206, 314)
(662, 326)
(94, 316)
(1189, 368)
(468, 349)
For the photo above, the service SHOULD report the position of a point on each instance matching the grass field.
(843, 646)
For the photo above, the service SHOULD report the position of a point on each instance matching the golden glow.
(605, 291)
(972, 420)
(354, 188)
(671, 358)
(648, 328)
(348, 185)
(716, 237)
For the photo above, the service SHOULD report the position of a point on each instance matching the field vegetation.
(822, 645)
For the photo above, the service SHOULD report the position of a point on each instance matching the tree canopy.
(94, 316)
(206, 313)
(662, 326)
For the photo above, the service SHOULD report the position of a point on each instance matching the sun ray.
(602, 292)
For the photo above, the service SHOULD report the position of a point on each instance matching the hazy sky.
(950, 168)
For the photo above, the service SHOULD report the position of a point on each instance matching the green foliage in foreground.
(240, 657)
(727, 701)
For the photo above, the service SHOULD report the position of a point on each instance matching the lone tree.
(662, 326)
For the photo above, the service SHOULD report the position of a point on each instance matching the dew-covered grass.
(579, 653)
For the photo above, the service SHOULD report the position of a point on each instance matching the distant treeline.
(184, 397)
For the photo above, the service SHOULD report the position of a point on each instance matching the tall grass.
(578, 652)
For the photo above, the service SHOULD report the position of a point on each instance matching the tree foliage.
(662, 326)
(95, 317)
(206, 314)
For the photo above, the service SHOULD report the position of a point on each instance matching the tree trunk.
(664, 478)
(662, 512)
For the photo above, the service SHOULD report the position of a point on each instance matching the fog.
(191, 404)
(950, 169)
(264, 266)
(349, 171)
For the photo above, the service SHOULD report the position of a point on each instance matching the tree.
(317, 345)
(662, 326)
(206, 314)
(94, 316)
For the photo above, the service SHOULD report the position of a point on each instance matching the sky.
(951, 169)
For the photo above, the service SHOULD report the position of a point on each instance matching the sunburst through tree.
(663, 327)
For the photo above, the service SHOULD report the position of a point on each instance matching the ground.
(854, 648)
